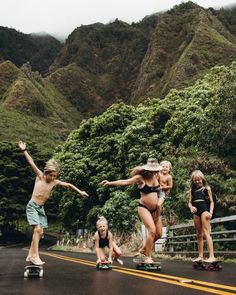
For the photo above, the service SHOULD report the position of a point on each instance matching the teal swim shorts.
(36, 215)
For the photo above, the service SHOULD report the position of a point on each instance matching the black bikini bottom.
(143, 206)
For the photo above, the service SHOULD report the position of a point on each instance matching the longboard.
(105, 265)
(202, 265)
(141, 265)
(213, 265)
(33, 271)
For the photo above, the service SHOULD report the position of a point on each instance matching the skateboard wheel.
(41, 273)
(26, 274)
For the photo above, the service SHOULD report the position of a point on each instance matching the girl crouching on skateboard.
(103, 238)
(201, 213)
(44, 183)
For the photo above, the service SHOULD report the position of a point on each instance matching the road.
(75, 273)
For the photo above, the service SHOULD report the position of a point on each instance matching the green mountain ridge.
(187, 41)
(102, 64)
(32, 108)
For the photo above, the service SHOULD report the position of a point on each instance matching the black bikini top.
(146, 189)
(103, 242)
(198, 194)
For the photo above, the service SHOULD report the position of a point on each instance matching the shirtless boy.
(166, 182)
(44, 183)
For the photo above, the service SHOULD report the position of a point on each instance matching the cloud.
(61, 17)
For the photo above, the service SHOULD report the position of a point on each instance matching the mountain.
(100, 64)
(19, 48)
(109, 55)
(164, 51)
(186, 42)
(32, 109)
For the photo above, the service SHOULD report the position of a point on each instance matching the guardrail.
(175, 240)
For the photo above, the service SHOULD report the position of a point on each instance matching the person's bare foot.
(28, 258)
(199, 258)
(140, 253)
(148, 260)
(210, 260)
(120, 261)
(36, 261)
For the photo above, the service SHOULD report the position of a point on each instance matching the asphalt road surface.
(70, 273)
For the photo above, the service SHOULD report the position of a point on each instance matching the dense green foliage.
(110, 57)
(31, 108)
(193, 128)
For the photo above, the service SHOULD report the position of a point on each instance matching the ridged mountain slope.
(187, 41)
(32, 108)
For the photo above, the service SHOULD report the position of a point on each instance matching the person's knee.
(152, 233)
(38, 230)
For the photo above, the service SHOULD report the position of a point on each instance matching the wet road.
(75, 273)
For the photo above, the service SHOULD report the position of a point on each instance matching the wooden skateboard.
(105, 265)
(33, 271)
(141, 265)
(202, 265)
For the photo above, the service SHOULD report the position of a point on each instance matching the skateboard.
(215, 266)
(202, 265)
(33, 271)
(105, 265)
(141, 265)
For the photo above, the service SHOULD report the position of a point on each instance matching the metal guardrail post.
(170, 234)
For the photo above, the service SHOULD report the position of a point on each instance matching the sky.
(61, 17)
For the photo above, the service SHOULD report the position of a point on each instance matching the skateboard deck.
(105, 265)
(141, 265)
(202, 265)
(33, 271)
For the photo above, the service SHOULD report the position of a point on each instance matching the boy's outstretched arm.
(22, 147)
(72, 187)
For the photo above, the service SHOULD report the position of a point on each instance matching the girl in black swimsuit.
(201, 216)
(103, 238)
(146, 178)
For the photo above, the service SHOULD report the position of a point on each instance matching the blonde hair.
(197, 173)
(51, 166)
(100, 220)
(167, 163)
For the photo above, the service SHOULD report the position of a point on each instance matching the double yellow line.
(183, 282)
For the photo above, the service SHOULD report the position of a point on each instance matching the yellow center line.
(183, 282)
(185, 279)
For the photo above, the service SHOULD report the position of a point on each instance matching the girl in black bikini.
(201, 216)
(103, 238)
(146, 178)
